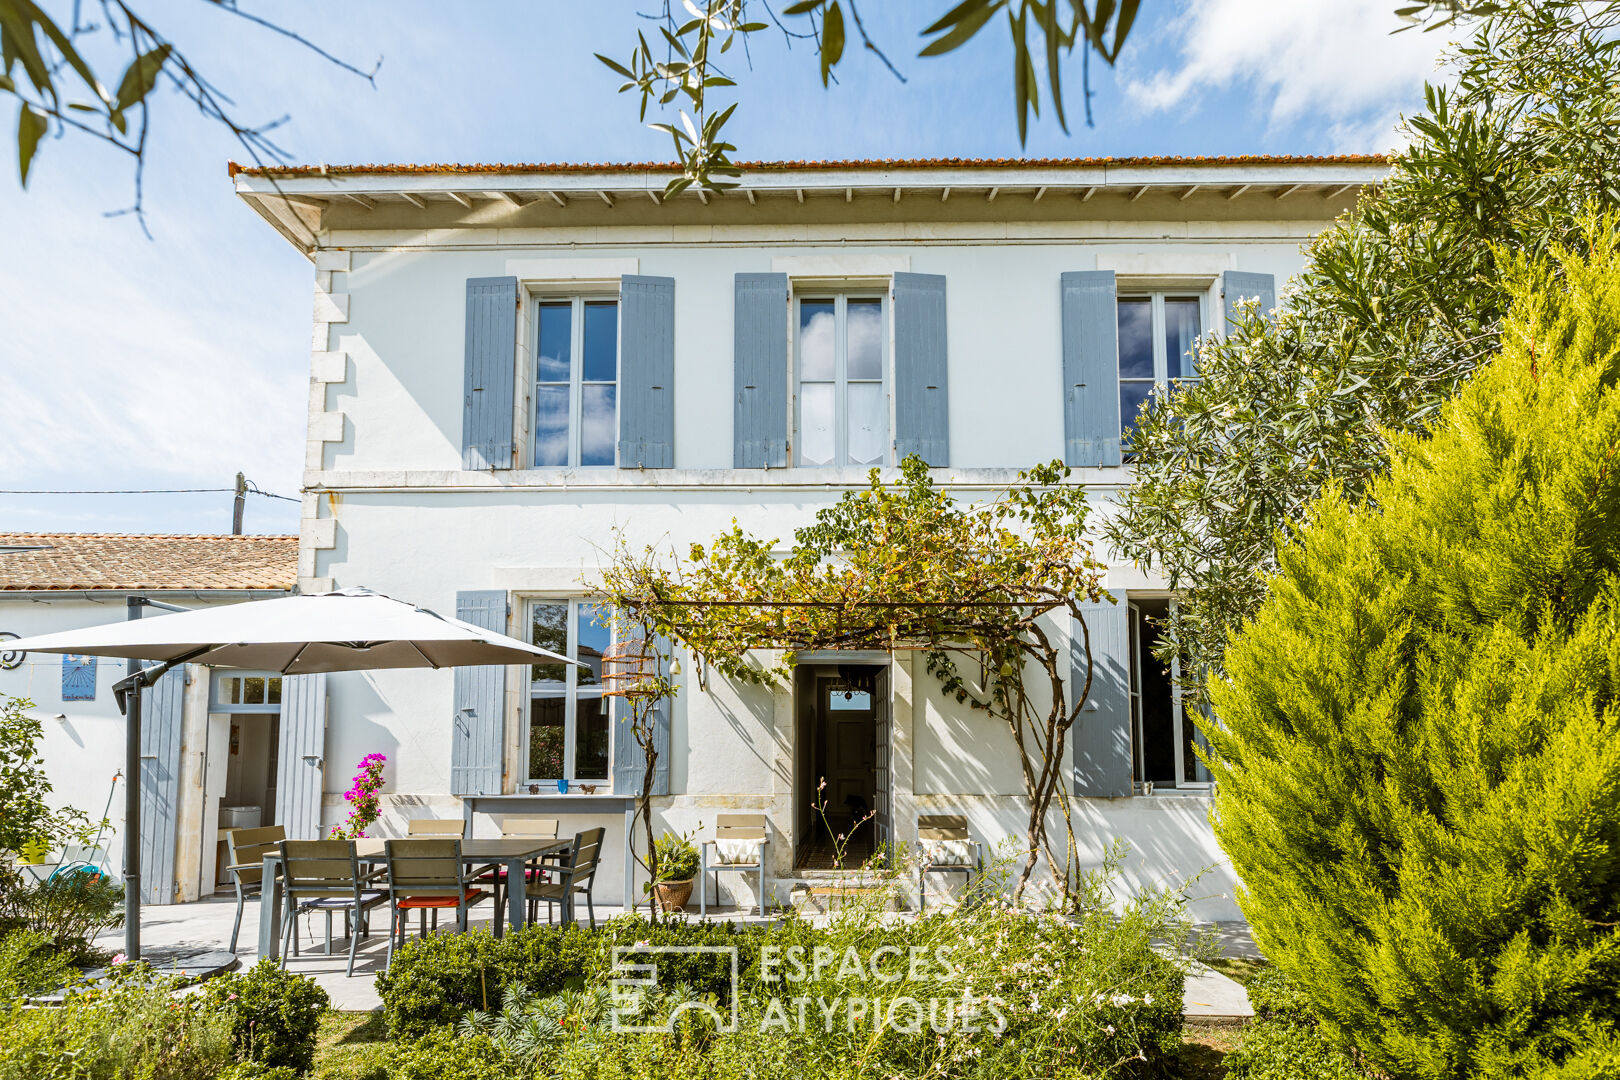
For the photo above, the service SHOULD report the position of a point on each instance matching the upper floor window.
(843, 404)
(570, 725)
(1157, 332)
(576, 364)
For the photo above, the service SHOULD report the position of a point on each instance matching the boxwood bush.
(438, 979)
(274, 1014)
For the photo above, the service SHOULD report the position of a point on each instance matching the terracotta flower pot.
(673, 895)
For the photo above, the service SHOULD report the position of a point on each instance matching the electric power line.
(251, 490)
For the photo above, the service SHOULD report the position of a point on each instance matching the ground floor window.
(1163, 736)
(569, 721)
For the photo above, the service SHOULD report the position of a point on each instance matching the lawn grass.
(1205, 1043)
(350, 1046)
(1240, 969)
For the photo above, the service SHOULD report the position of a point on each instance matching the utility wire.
(251, 490)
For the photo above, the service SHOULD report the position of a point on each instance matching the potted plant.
(677, 867)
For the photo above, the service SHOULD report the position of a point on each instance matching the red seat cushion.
(473, 896)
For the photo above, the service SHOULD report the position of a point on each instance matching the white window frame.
(841, 295)
(570, 697)
(216, 688)
(1161, 360)
(576, 299)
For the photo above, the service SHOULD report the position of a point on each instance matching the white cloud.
(1332, 63)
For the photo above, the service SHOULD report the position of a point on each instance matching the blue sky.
(176, 361)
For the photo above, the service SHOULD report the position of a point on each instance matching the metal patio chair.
(575, 873)
(247, 849)
(521, 827)
(431, 826)
(947, 848)
(426, 875)
(739, 844)
(324, 876)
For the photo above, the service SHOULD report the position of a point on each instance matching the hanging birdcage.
(629, 669)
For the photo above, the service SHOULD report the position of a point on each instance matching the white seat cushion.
(947, 852)
(738, 852)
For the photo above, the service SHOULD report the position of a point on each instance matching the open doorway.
(841, 776)
(1164, 737)
(242, 766)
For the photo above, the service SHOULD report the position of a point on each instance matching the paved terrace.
(206, 925)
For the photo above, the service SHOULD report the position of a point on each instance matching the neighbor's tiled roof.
(796, 166)
(76, 561)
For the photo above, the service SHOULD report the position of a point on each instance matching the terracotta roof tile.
(784, 166)
(77, 561)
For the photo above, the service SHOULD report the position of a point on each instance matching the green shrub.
(30, 964)
(1289, 1050)
(443, 1055)
(67, 911)
(35, 1044)
(436, 980)
(253, 1070)
(1087, 995)
(1418, 759)
(273, 1014)
(132, 1027)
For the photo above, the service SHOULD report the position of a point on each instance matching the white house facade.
(511, 363)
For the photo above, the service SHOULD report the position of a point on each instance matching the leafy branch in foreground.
(1397, 306)
(996, 584)
(44, 68)
(683, 63)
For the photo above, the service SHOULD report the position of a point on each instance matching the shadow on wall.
(1171, 845)
(351, 734)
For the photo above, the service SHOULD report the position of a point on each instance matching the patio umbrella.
(348, 630)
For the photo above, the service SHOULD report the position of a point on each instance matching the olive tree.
(1398, 304)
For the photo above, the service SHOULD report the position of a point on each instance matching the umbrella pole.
(132, 807)
(132, 826)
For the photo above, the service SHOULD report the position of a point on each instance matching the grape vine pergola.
(979, 587)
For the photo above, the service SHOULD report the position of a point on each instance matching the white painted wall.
(83, 741)
(392, 510)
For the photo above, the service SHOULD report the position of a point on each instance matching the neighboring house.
(209, 739)
(510, 362)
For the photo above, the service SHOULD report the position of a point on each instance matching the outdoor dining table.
(478, 855)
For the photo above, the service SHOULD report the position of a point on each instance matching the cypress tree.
(1418, 755)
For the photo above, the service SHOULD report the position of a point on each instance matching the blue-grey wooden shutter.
(629, 759)
(162, 716)
(759, 361)
(478, 728)
(1241, 284)
(491, 373)
(302, 756)
(1090, 368)
(921, 401)
(1102, 736)
(646, 372)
